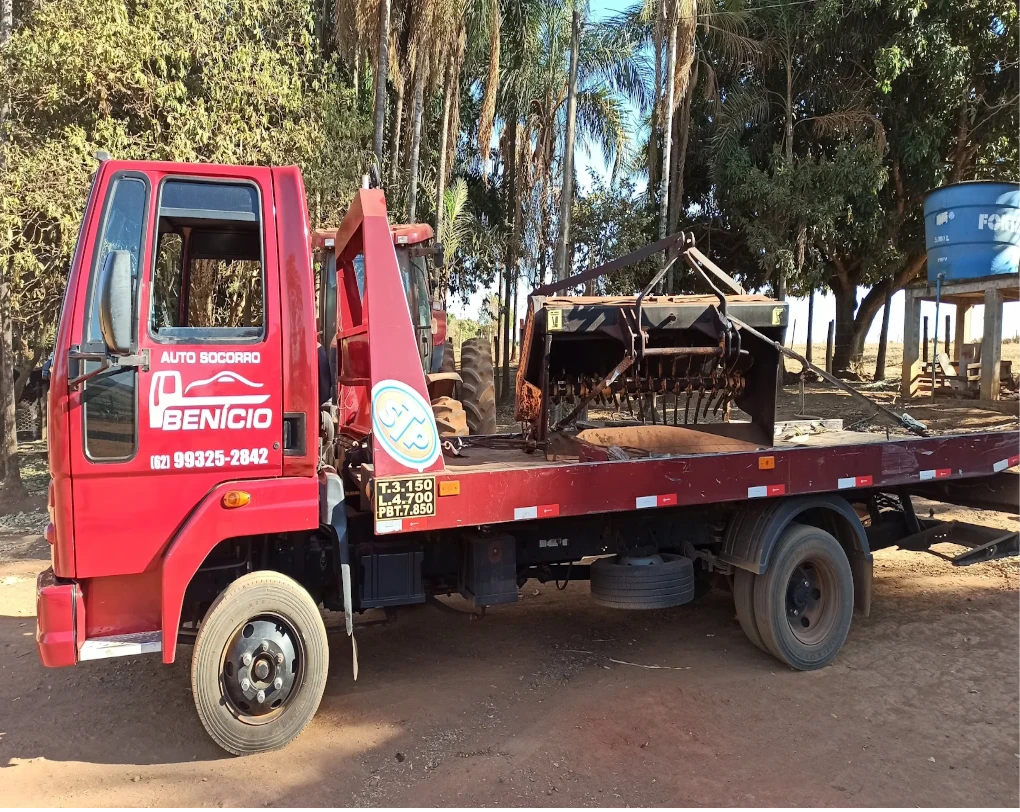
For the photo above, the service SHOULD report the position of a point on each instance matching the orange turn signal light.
(766, 463)
(450, 487)
(236, 499)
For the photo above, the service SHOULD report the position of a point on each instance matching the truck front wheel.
(259, 665)
(804, 602)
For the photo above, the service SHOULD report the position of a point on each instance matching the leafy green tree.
(610, 220)
(226, 81)
(825, 150)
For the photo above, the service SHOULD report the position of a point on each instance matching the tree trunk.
(653, 122)
(810, 323)
(412, 164)
(12, 488)
(381, 71)
(567, 188)
(870, 305)
(356, 73)
(395, 129)
(682, 136)
(883, 341)
(497, 381)
(513, 323)
(26, 369)
(846, 304)
(512, 244)
(667, 133)
(508, 284)
(444, 134)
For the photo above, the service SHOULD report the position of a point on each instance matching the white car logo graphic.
(167, 392)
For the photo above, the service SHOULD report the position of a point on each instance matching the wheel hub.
(809, 605)
(260, 667)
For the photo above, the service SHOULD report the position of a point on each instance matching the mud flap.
(345, 569)
(864, 572)
(333, 514)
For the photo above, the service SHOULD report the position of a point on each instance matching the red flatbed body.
(496, 486)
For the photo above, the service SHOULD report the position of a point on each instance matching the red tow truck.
(195, 497)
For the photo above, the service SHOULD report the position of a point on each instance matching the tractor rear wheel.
(449, 362)
(451, 421)
(478, 390)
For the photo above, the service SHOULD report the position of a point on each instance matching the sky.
(825, 305)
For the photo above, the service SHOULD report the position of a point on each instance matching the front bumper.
(60, 619)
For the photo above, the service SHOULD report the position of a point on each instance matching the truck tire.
(804, 602)
(743, 601)
(269, 620)
(478, 390)
(449, 363)
(451, 421)
(658, 582)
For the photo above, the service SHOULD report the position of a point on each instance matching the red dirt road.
(528, 708)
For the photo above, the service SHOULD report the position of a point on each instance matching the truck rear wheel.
(743, 601)
(651, 582)
(804, 602)
(478, 390)
(259, 665)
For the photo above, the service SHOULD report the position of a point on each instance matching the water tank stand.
(992, 292)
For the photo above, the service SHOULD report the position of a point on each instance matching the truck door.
(203, 405)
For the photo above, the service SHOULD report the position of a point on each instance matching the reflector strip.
(1002, 465)
(935, 473)
(389, 526)
(854, 482)
(536, 512)
(659, 500)
(758, 491)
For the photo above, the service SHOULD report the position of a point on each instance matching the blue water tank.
(972, 230)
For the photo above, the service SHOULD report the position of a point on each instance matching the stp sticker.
(402, 421)
(226, 400)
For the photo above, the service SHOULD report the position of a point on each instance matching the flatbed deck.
(495, 486)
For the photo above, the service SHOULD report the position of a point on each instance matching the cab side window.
(109, 403)
(208, 282)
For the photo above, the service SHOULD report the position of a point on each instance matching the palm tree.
(532, 103)
(380, 71)
(706, 37)
(567, 192)
(434, 55)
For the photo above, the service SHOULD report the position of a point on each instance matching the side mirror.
(439, 260)
(115, 309)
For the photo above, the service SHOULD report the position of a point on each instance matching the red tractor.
(463, 403)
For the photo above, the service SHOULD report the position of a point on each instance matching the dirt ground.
(553, 701)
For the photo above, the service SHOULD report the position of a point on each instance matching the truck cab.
(181, 357)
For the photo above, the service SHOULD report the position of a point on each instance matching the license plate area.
(405, 498)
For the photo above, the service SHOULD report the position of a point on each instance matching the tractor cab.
(413, 245)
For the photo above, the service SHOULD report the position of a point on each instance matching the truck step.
(121, 645)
